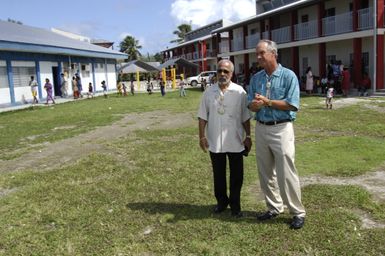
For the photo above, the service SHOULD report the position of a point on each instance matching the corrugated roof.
(16, 37)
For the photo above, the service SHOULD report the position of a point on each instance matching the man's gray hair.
(271, 46)
(227, 61)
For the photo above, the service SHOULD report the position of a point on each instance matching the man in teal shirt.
(274, 97)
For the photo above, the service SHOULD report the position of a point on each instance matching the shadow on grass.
(175, 212)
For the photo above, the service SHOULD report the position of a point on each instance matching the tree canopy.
(130, 46)
(183, 29)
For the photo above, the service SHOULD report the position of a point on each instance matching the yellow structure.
(173, 78)
(164, 75)
(138, 79)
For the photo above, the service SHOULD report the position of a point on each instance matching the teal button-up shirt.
(284, 85)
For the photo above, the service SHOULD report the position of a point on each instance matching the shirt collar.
(277, 72)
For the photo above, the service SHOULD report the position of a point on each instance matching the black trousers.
(218, 161)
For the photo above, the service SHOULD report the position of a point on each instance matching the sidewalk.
(58, 100)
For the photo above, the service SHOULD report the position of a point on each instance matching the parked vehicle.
(195, 80)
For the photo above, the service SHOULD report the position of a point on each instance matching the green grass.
(151, 192)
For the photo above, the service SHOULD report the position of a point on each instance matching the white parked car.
(195, 80)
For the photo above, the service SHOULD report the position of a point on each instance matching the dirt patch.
(345, 102)
(67, 151)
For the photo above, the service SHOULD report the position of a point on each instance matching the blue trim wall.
(10, 82)
(26, 56)
(93, 76)
(40, 91)
(20, 47)
(37, 57)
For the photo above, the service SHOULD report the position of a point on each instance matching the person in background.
(90, 92)
(48, 87)
(274, 97)
(119, 88)
(149, 88)
(182, 91)
(124, 89)
(64, 85)
(345, 85)
(324, 84)
(329, 97)
(224, 130)
(309, 81)
(365, 85)
(162, 88)
(104, 86)
(33, 84)
(75, 88)
(79, 85)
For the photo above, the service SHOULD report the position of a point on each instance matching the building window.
(22, 75)
(3, 78)
(305, 64)
(85, 69)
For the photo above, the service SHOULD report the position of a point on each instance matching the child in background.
(104, 86)
(324, 84)
(329, 97)
(90, 91)
(124, 89)
(120, 88)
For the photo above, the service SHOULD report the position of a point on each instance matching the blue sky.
(149, 21)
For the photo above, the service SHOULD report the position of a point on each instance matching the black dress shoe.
(237, 215)
(267, 215)
(219, 209)
(297, 222)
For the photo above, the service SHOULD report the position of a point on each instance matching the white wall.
(311, 11)
(23, 92)
(111, 75)
(311, 52)
(46, 72)
(238, 60)
(100, 75)
(4, 90)
(341, 49)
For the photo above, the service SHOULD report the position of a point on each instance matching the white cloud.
(123, 35)
(201, 13)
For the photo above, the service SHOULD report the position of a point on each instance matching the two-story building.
(311, 33)
(200, 47)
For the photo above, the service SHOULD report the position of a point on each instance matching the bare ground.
(69, 150)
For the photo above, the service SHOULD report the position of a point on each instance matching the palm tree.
(183, 29)
(130, 46)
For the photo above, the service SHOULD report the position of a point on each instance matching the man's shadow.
(184, 211)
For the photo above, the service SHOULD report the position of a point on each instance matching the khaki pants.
(278, 176)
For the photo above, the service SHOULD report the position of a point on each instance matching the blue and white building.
(29, 51)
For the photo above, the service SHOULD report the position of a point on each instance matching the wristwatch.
(270, 103)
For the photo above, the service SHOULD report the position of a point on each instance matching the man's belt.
(275, 122)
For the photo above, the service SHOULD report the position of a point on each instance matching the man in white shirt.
(224, 130)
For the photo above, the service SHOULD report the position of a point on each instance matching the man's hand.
(203, 144)
(257, 103)
(247, 142)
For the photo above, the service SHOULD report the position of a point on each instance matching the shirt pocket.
(278, 93)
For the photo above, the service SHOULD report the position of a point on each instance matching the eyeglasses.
(223, 70)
